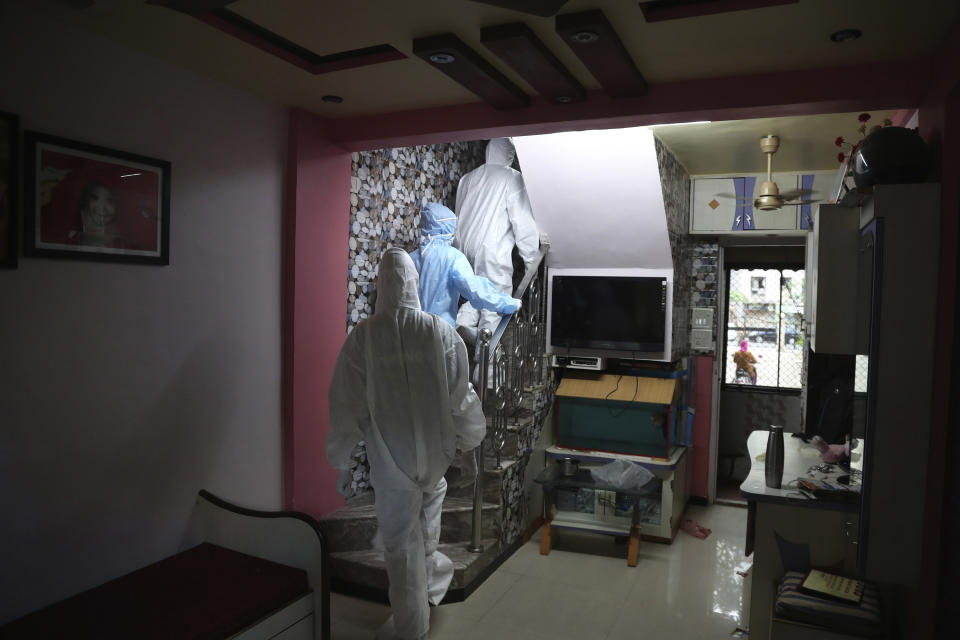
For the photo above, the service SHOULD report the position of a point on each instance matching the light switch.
(703, 318)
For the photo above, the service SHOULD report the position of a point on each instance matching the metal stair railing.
(514, 368)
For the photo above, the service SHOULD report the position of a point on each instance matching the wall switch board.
(701, 339)
(703, 318)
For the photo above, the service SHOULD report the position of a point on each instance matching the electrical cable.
(636, 390)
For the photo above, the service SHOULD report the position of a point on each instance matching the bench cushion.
(206, 592)
(863, 619)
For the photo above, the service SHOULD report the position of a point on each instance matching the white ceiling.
(807, 143)
(781, 38)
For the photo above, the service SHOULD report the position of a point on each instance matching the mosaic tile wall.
(675, 182)
(387, 189)
(512, 499)
(705, 277)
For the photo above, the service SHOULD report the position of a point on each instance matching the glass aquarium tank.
(620, 414)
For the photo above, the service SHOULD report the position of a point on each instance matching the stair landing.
(363, 573)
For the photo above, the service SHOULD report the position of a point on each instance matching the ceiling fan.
(770, 198)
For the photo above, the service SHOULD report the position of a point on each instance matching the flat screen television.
(623, 313)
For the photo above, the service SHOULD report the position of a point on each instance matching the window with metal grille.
(764, 342)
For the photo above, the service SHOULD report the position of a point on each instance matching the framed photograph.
(94, 203)
(9, 181)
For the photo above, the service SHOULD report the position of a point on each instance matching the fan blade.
(733, 195)
(801, 202)
(542, 8)
(790, 194)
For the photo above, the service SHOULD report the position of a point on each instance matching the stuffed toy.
(832, 453)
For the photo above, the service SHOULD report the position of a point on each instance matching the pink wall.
(126, 388)
(702, 400)
(315, 256)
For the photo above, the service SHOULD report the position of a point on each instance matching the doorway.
(761, 352)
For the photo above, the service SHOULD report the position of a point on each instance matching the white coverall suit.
(401, 385)
(493, 215)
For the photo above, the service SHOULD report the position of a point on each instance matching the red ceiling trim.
(253, 34)
(902, 117)
(660, 10)
(594, 40)
(884, 85)
(470, 70)
(518, 46)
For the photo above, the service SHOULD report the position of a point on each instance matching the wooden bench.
(244, 574)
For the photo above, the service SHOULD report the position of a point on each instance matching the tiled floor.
(584, 590)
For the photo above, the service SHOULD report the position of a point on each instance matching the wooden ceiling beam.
(450, 55)
(593, 39)
(518, 46)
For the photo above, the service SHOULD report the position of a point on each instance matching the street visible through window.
(765, 343)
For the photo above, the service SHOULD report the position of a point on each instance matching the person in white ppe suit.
(401, 385)
(445, 273)
(494, 214)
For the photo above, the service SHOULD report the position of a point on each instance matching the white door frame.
(717, 375)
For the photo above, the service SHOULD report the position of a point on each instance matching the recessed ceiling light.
(442, 58)
(564, 99)
(333, 99)
(585, 37)
(845, 35)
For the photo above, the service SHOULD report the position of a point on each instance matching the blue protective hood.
(437, 224)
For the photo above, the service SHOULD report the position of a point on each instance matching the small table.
(552, 479)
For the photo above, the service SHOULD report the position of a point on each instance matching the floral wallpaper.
(387, 189)
(705, 278)
(695, 258)
(512, 503)
(675, 183)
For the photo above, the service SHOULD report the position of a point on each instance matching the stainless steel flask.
(774, 457)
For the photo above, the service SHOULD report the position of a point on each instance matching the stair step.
(492, 480)
(352, 527)
(491, 485)
(364, 570)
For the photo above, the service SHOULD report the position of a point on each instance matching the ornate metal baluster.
(516, 367)
(499, 408)
(476, 545)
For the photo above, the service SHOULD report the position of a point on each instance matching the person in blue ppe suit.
(495, 215)
(401, 384)
(446, 274)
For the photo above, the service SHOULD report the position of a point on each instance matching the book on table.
(828, 585)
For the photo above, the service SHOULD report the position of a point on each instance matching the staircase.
(515, 411)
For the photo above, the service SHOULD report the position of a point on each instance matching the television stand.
(662, 500)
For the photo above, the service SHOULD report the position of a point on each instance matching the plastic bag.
(622, 474)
